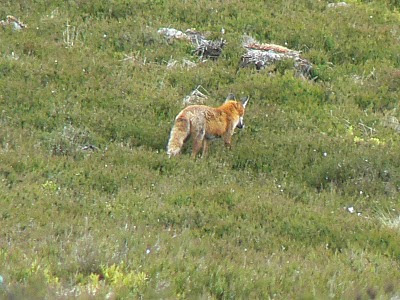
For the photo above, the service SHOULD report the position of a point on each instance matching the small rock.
(188, 64)
(11, 20)
(171, 63)
(338, 4)
(392, 122)
(172, 33)
(204, 48)
(90, 148)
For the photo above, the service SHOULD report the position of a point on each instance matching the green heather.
(269, 219)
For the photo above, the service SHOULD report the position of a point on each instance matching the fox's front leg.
(227, 140)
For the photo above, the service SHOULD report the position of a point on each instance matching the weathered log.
(264, 55)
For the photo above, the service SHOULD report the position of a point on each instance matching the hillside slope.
(304, 205)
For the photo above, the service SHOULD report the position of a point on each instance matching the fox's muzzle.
(240, 125)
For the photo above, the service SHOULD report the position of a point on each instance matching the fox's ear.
(245, 100)
(230, 97)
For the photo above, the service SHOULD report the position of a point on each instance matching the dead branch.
(196, 96)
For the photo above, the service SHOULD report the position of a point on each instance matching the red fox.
(204, 123)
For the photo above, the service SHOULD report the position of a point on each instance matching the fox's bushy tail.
(179, 134)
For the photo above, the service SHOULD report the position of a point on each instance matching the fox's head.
(242, 106)
(239, 106)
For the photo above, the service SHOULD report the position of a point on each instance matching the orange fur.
(203, 123)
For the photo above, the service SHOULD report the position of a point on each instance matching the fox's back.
(199, 115)
(199, 111)
(212, 120)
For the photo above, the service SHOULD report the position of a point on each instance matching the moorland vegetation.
(305, 204)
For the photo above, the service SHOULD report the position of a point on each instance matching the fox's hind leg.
(197, 145)
(198, 133)
(205, 147)
(198, 138)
